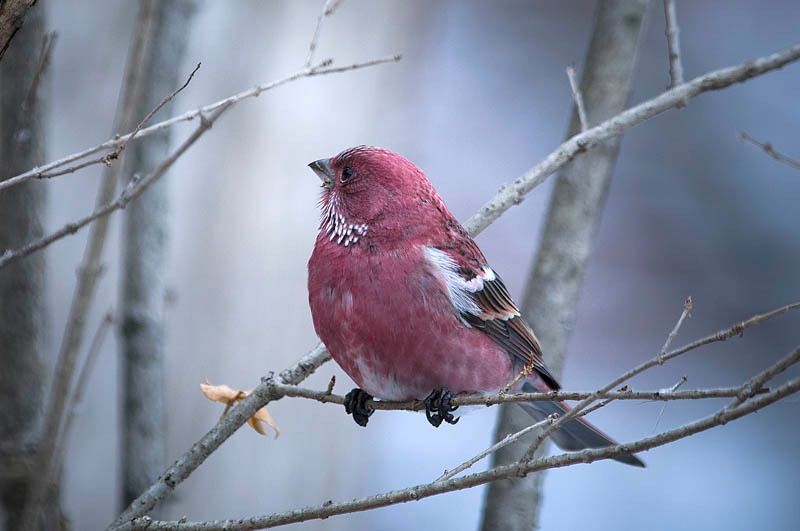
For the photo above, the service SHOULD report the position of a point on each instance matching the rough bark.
(571, 222)
(144, 247)
(12, 15)
(23, 315)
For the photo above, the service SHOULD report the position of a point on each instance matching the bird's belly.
(393, 330)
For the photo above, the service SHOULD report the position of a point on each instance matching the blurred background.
(479, 97)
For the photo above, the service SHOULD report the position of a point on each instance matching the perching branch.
(272, 389)
(723, 416)
(514, 193)
(666, 395)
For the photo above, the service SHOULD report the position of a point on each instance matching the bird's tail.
(576, 434)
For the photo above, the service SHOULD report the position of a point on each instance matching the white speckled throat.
(336, 225)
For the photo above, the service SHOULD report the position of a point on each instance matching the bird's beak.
(324, 171)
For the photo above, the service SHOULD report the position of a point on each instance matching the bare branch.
(131, 192)
(47, 170)
(80, 386)
(10, 256)
(578, 97)
(418, 492)
(167, 99)
(286, 385)
(113, 155)
(673, 43)
(771, 151)
(514, 193)
(665, 395)
(327, 10)
(756, 383)
(508, 439)
(664, 405)
(659, 360)
(687, 307)
(227, 426)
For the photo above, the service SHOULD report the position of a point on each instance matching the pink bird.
(407, 304)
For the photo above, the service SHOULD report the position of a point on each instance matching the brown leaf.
(225, 395)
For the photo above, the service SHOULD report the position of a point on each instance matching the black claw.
(438, 408)
(355, 404)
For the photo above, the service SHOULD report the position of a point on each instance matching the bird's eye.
(347, 173)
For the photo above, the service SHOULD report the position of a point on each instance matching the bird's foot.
(438, 408)
(355, 404)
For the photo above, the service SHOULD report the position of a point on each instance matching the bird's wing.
(482, 301)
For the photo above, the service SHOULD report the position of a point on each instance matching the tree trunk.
(571, 222)
(23, 316)
(144, 248)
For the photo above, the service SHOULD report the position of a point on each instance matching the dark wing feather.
(501, 321)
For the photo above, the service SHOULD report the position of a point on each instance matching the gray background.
(479, 97)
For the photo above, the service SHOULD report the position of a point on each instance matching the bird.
(407, 304)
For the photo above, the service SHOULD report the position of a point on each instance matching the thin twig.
(46, 171)
(514, 193)
(131, 192)
(114, 154)
(664, 405)
(578, 97)
(673, 43)
(576, 411)
(722, 335)
(771, 151)
(121, 147)
(80, 386)
(687, 307)
(505, 441)
(757, 382)
(425, 490)
(327, 10)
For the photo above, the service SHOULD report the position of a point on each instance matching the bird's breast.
(389, 323)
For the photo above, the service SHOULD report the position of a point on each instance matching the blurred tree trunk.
(571, 222)
(144, 245)
(23, 316)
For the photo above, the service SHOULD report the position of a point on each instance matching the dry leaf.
(228, 396)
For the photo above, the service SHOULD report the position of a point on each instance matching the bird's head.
(373, 189)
